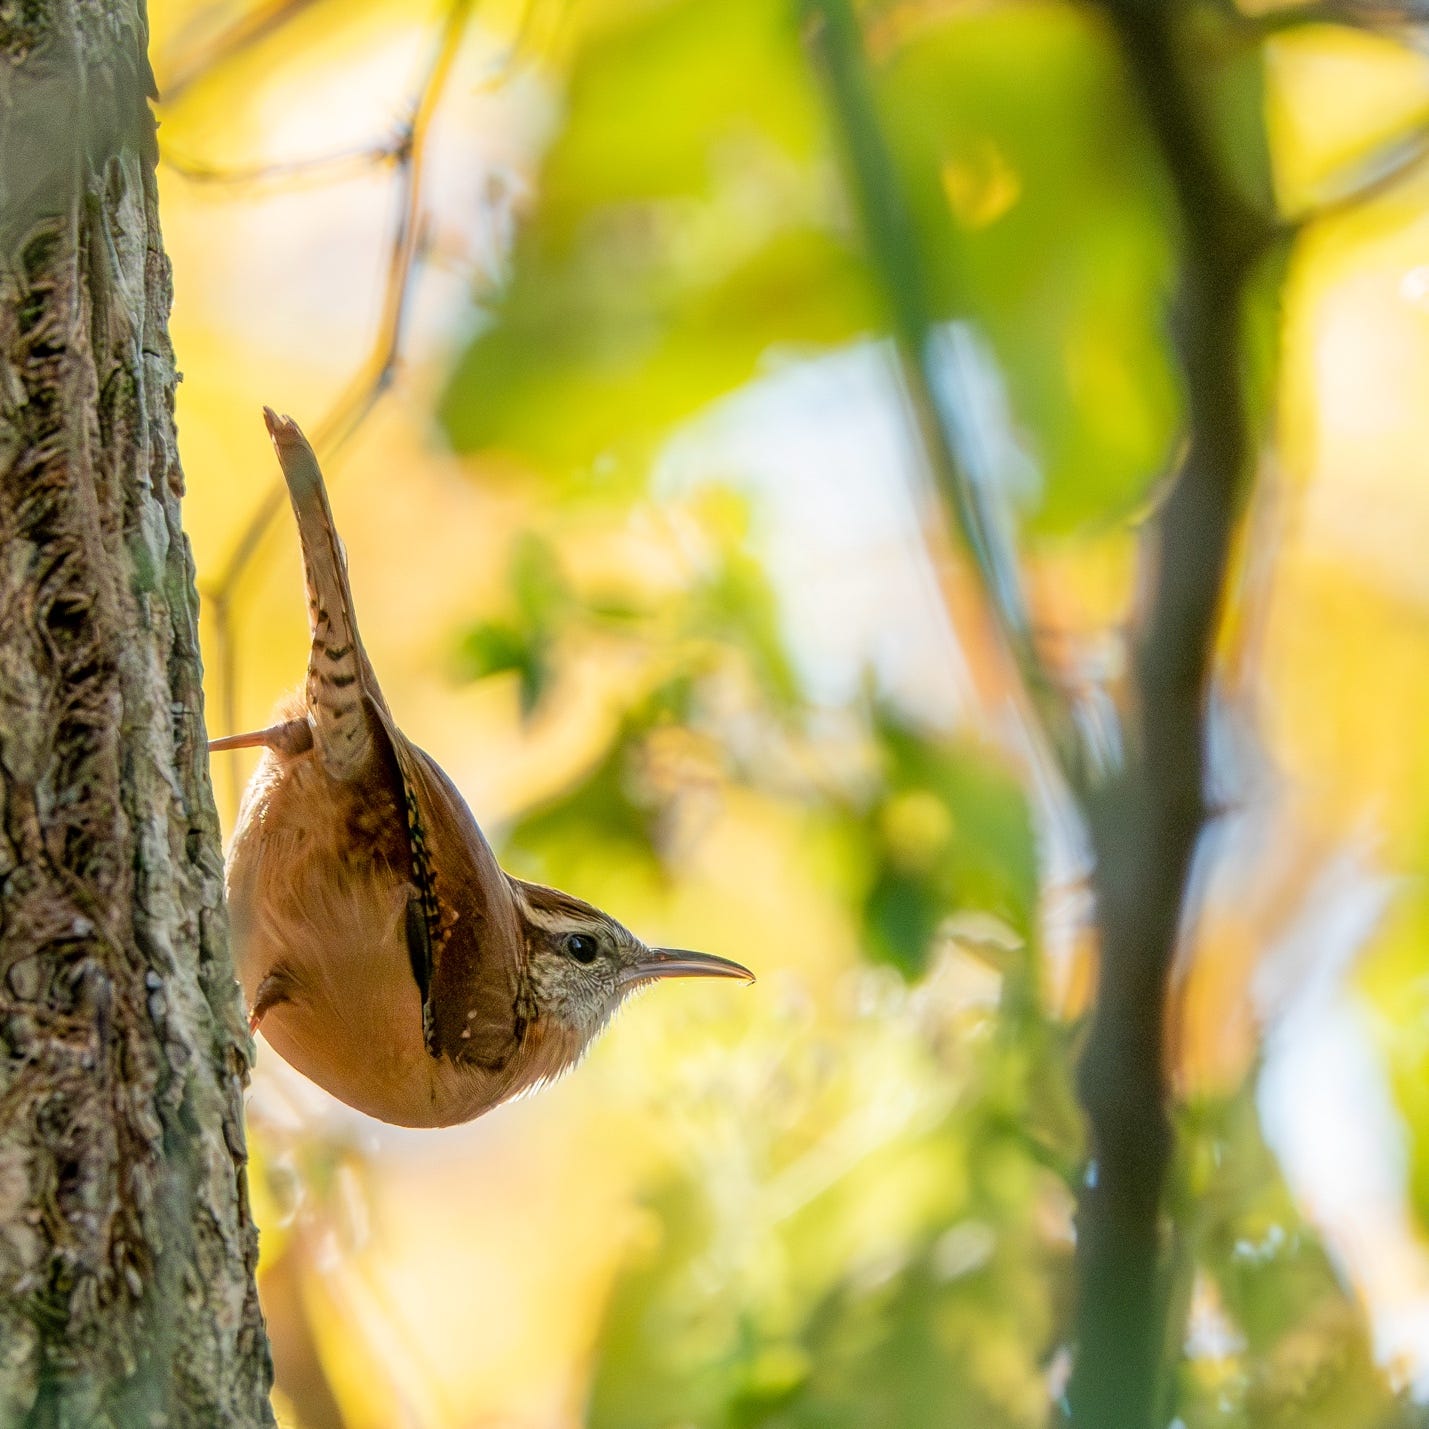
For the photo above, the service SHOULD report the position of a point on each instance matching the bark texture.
(126, 1247)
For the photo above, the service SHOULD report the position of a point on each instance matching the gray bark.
(126, 1247)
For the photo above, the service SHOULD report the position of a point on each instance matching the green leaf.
(1039, 208)
(737, 605)
(494, 648)
(603, 811)
(683, 233)
(951, 833)
(610, 809)
(523, 644)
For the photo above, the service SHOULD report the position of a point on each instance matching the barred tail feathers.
(338, 672)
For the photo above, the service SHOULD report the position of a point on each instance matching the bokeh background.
(572, 298)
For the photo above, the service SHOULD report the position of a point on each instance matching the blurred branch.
(898, 268)
(1356, 14)
(251, 28)
(1378, 174)
(374, 375)
(1147, 817)
(331, 166)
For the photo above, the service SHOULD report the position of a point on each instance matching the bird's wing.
(463, 933)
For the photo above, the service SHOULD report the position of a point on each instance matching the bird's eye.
(582, 947)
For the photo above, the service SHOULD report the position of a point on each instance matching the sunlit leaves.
(1272, 1336)
(1038, 206)
(719, 639)
(691, 227)
(714, 699)
(616, 807)
(950, 832)
(683, 231)
(879, 1267)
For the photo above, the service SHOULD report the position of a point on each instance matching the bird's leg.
(275, 988)
(292, 736)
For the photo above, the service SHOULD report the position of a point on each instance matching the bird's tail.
(340, 681)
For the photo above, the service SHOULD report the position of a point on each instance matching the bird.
(382, 949)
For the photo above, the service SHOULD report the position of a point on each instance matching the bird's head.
(581, 963)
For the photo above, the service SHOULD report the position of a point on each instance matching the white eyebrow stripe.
(551, 920)
(555, 912)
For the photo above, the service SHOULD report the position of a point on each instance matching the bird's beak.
(680, 962)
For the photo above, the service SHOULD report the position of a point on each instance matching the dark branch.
(1146, 820)
(1147, 816)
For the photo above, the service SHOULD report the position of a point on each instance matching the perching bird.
(383, 951)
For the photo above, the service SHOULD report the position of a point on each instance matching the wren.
(383, 951)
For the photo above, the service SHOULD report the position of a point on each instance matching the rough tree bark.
(126, 1247)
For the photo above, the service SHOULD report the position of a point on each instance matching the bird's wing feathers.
(463, 935)
(462, 931)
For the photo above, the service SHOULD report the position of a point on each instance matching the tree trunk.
(126, 1247)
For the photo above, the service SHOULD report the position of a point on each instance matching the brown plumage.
(383, 951)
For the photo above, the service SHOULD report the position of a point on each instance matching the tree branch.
(374, 375)
(1353, 14)
(250, 29)
(1146, 819)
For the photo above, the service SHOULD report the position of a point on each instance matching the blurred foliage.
(1272, 1338)
(845, 1197)
(951, 830)
(522, 644)
(668, 258)
(902, 1256)
(927, 827)
(869, 1219)
(681, 232)
(664, 265)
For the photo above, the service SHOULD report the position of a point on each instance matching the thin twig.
(251, 28)
(1354, 14)
(374, 376)
(1378, 174)
(357, 159)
